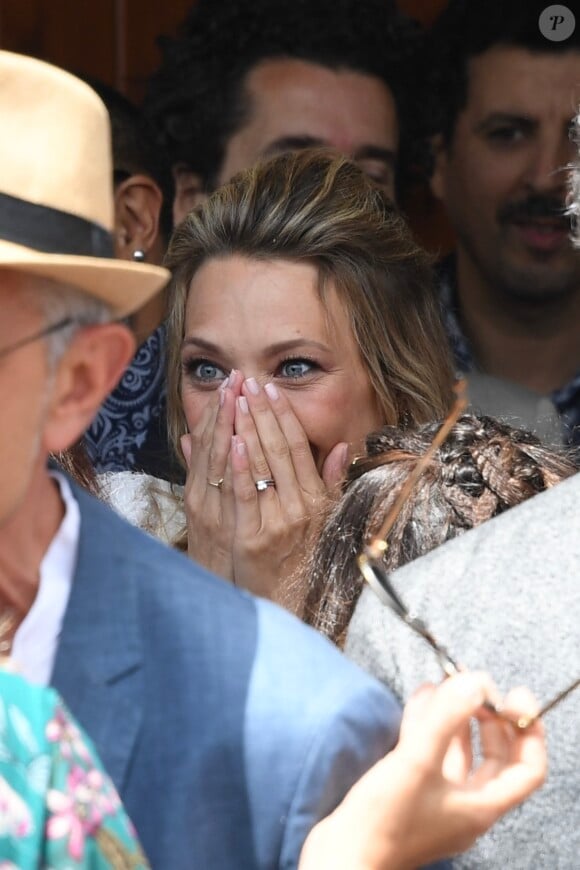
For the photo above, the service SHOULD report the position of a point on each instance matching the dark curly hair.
(464, 30)
(196, 100)
(482, 469)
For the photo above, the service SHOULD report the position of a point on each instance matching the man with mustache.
(502, 99)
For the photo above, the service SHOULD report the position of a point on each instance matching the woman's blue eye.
(204, 370)
(295, 368)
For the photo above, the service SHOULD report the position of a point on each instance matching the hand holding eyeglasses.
(425, 801)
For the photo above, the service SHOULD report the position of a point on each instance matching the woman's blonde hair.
(313, 206)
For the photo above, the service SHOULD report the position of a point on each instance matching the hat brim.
(123, 285)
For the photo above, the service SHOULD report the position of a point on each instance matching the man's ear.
(90, 368)
(138, 202)
(438, 181)
(189, 192)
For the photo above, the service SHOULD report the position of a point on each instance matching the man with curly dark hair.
(246, 80)
(499, 100)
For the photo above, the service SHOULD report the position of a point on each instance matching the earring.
(139, 255)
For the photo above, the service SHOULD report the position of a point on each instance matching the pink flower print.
(105, 798)
(79, 812)
(15, 817)
(65, 823)
(60, 729)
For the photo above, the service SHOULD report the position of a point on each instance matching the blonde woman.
(302, 317)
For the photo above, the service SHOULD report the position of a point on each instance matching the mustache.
(533, 207)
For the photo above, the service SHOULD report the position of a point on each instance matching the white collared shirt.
(36, 640)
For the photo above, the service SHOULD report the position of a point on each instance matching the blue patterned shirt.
(129, 432)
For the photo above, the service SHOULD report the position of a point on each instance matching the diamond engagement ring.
(262, 485)
(216, 483)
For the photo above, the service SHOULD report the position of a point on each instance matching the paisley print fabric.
(133, 415)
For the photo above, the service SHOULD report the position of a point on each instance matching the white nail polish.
(243, 405)
(252, 385)
(272, 392)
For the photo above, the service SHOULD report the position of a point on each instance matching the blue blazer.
(228, 727)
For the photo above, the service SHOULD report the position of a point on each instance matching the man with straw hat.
(227, 726)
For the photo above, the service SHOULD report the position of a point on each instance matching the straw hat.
(56, 186)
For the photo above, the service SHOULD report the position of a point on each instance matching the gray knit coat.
(505, 598)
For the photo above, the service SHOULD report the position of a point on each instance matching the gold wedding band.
(217, 484)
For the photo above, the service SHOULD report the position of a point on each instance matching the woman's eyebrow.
(269, 350)
(201, 343)
(284, 346)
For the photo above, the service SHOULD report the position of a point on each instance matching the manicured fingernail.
(252, 385)
(232, 377)
(239, 445)
(243, 404)
(222, 396)
(272, 392)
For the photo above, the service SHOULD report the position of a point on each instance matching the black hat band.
(52, 231)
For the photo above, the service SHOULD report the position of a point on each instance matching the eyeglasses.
(378, 578)
(48, 330)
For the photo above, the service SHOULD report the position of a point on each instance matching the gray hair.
(574, 195)
(58, 301)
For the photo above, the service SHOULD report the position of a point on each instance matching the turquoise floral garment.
(58, 808)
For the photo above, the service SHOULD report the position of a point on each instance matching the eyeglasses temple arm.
(378, 579)
(558, 698)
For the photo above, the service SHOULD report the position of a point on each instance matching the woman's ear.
(138, 201)
(189, 192)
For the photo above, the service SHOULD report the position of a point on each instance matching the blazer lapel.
(98, 668)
